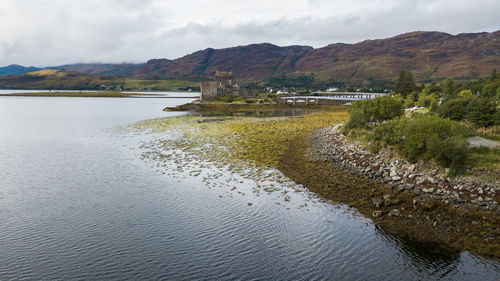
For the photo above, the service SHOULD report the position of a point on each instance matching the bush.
(434, 105)
(410, 101)
(356, 119)
(455, 108)
(378, 109)
(466, 94)
(451, 152)
(427, 100)
(426, 137)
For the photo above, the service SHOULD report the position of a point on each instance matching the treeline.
(307, 83)
(476, 101)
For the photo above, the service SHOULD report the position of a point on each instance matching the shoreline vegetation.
(290, 145)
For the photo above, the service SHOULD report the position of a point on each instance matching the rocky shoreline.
(425, 180)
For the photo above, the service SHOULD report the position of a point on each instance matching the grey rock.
(395, 212)
(387, 202)
(377, 202)
(415, 203)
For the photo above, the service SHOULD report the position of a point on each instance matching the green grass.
(133, 84)
(486, 162)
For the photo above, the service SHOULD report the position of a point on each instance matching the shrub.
(450, 152)
(426, 137)
(410, 100)
(455, 108)
(378, 109)
(423, 100)
(434, 105)
(427, 100)
(356, 119)
(466, 94)
(387, 108)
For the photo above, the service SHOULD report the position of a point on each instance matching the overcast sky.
(54, 32)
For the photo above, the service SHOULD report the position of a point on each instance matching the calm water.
(77, 202)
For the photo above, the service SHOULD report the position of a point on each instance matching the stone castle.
(224, 85)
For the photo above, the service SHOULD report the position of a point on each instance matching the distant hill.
(124, 69)
(256, 61)
(429, 55)
(51, 79)
(15, 69)
(56, 79)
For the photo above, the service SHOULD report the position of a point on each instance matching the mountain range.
(15, 69)
(428, 55)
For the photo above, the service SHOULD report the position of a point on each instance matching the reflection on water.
(77, 202)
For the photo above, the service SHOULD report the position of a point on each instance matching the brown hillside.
(250, 62)
(429, 55)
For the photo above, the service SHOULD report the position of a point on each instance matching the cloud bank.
(53, 32)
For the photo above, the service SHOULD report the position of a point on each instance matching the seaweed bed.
(276, 149)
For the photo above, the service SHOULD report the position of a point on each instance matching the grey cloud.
(50, 32)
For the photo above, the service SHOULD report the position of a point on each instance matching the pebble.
(377, 202)
(395, 212)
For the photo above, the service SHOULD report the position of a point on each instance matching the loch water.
(78, 202)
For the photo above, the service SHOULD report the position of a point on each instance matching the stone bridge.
(329, 98)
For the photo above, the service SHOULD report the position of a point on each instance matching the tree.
(493, 75)
(405, 84)
(490, 88)
(455, 108)
(483, 112)
(448, 88)
(466, 94)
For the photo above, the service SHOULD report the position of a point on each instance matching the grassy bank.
(253, 146)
